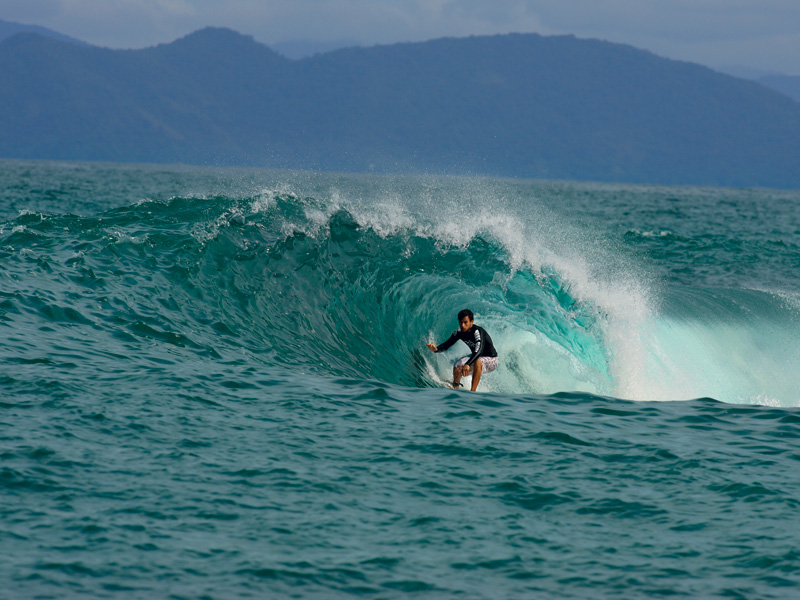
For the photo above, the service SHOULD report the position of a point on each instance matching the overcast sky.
(760, 34)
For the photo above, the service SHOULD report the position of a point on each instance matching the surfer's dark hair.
(466, 313)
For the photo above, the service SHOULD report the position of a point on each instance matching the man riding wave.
(483, 358)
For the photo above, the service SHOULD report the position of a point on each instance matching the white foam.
(738, 362)
(120, 237)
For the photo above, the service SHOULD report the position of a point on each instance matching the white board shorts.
(488, 363)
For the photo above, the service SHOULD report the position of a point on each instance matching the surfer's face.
(465, 324)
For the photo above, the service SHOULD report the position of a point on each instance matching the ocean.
(214, 384)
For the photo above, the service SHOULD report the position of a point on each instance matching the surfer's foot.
(456, 385)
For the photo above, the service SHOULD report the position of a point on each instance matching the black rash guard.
(476, 338)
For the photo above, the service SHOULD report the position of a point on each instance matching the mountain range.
(517, 105)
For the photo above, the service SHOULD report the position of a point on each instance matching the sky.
(763, 35)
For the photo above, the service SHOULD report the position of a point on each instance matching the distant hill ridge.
(519, 105)
(9, 28)
(786, 84)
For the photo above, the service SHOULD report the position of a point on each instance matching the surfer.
(483, 358)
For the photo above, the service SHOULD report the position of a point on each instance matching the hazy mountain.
(786, 84)
(9, 28)
(512, 105)
(745, 72)
(302, 49)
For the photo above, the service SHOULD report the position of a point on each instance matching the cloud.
(34, 12)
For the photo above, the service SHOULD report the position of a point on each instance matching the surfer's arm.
(445, 345)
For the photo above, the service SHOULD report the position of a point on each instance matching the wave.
(354, 287)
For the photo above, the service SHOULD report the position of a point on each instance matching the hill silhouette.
(786, 84)
(519, 105)
(9, 28)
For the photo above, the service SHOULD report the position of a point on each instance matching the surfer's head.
(465, 319)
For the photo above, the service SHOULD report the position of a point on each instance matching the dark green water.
(213, 383)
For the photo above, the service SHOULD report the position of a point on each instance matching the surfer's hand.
(432, 347)
(465, 371)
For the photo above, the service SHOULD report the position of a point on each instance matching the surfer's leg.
(477, 371)
(457, 371)
(456, 377)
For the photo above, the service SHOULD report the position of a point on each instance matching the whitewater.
(214, 383)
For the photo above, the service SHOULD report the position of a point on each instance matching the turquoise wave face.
(355, 288)
(302, 284)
